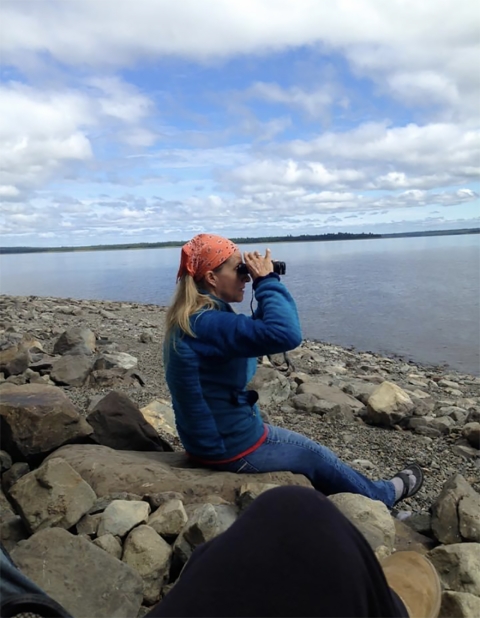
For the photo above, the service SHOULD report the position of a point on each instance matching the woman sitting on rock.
(211, 355)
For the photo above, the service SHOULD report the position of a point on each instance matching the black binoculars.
(278, 267)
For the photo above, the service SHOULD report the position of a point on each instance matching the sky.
(153, 120)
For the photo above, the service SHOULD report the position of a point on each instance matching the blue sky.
(155, 120)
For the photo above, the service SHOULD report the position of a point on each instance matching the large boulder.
(14, 359)
(109, 471)
(118, 423)
(71, 370)
(83, 578)
(388, 405)
(445, 510)
(459, 605)
(371, 517)
(36, 419)
(76, 340)
(458, 566)
(52, 495)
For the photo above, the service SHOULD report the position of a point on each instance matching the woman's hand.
(258, 265)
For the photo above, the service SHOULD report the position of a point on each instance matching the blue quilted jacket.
(216, 417)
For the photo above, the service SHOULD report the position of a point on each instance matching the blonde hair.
(186, 301)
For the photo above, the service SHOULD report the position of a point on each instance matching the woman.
(210, 356)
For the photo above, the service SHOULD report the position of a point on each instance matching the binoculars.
(278, 267)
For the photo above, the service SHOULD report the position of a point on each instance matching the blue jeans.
(287, 450)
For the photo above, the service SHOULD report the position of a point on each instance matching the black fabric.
(292, 553)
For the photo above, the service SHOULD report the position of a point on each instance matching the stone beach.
(75, 374)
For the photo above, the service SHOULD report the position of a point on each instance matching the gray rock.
(115, 360)
(6, 510)
(52, 495)
(78, 575)
(459, 415)
(121, 516)
(207, 522)
(370, 517)
(448, 384)
(445, 522)
(360, 389)
(466, 451)
(5, 461)
(14, 360)
(72, 370)
(303, 402)
(471, 432)
(18, 469)
(474, 415)
(421, 523)
(88, 524)
(459, 605)
(271, 385)
(331, 394)
(458, 566)
(36, 419)
(110, 544)
(161, 417)
(388, 405)
(469, 517)
(146, 552)
(12, 531)
(444, 424)
(102, 503)
(76, 339)
(169, 519)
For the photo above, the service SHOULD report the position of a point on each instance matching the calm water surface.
(416, 297)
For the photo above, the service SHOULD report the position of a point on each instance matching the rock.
(445, 521)
(145, 337)
(363, 463)
(304, 402)
(88, 524)
(370, 517)
(110, 544)
(474, 415)
(360, 389)
(471, 432)
(121, 516)
(52, 495)
(12, 531)
(118, 423)
(271, 385)
(169, 519)
(114, 360)
(388, 405)
(421, 523)
(407, 539)
(448, 384)
(5, 461)
(15, 473)
(6, 511)
(71, 370)
(157, 500)
(147, 553)
(459, 415)
(469, 517)
(444, 424)
(207, 522)
(330, 394)
(14, 360)
(108, 471)
(465, 451)
(161, 417)
(459, 605)
(102, 503)
(36, 419)
(76, 340)
(458, 566)
(84, 579)
(248, 492)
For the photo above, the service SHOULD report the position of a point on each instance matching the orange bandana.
(203, 253)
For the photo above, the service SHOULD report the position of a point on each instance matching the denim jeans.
(287, 450)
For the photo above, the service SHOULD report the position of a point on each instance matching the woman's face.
(226, 283)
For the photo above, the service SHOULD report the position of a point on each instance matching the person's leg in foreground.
(291, 553)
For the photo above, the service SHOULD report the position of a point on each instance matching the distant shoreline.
(243, 240)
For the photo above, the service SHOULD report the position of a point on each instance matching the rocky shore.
(93, 473)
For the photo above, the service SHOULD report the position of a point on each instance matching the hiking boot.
(415, 581)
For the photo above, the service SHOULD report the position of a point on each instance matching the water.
(416, 297)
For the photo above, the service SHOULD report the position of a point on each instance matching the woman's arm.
(237, 335)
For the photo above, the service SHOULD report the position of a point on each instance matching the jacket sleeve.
(230, 334)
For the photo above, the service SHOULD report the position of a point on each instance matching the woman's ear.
(210, 279)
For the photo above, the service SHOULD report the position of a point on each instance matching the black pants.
(292, 553)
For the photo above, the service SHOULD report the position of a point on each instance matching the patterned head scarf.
(203, 253)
